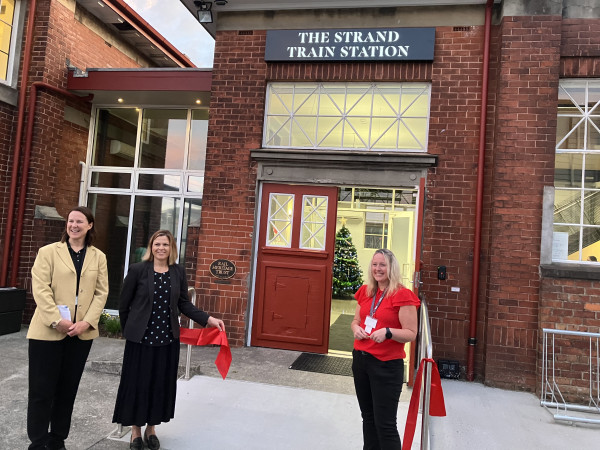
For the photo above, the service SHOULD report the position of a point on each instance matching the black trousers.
(378, 385)
(55, 370)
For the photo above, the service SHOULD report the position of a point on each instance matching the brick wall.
(227, 224)
(580, 48)
(571, 305)
(7, 125)
(451, 186)
(529, 51)
(64, 33)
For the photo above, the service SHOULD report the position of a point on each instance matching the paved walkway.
(264, 405)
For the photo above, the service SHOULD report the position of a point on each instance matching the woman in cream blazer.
(70, 287)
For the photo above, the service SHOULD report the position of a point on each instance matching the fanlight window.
(353, 116)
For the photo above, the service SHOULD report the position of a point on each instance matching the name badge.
(370, 323)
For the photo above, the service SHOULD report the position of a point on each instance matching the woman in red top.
(385, 318)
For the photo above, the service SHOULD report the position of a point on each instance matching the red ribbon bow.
(210, 336)
(436, 401)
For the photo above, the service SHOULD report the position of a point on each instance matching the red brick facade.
(528, 57)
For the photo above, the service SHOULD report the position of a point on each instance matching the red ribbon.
(210, 336)
(436, 401)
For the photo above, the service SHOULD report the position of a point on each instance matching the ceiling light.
(220, 2)
(120, 100)
(204, 11)
(198, 101)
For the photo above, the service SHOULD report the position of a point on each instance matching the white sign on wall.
(560, 245)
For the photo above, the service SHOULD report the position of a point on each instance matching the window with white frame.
(576, 232)
(352, 116)
(10, 29)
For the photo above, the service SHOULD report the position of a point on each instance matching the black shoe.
(151, 441)
(137, 444)
(54, 446)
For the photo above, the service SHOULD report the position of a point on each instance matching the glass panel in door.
(151, 214)
(111, 213)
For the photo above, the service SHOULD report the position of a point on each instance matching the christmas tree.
(347, 276)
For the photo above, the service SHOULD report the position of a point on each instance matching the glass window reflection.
(115, 137)
(111, 214)
(198, 136)
(163, 138)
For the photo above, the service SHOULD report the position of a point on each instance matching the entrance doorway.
(294, 261)
(367, 219)
(297, 304)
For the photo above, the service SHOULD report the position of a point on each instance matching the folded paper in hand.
(64, 312)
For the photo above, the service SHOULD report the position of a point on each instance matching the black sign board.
(222, 269)
(363, 44)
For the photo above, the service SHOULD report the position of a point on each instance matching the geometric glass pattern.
(314, 221)
(353, 116)
(577, 172)
(279, 229)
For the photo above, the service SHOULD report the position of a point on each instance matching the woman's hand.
(64, 326)
(217, 323)
(77, 328)
(378, 335)
(358, 331)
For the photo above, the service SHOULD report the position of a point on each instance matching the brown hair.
(90, 236)
(148, 256)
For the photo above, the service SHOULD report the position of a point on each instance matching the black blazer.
(137, 295)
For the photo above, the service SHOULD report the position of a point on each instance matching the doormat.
(333, 365)
(340, 334)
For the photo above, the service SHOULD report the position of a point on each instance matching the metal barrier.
(425, 351)
(188, 358)
(553, 365)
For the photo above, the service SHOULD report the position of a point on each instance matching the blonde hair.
(148, 256)
(393, 273)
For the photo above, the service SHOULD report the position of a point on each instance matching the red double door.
(296, 244)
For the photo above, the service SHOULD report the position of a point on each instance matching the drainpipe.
(479, 205)
(18, 136)
(25, 170)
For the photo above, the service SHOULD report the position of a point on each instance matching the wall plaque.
(222, 269)
(362, 44)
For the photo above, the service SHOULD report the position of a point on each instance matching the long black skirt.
(148, 384)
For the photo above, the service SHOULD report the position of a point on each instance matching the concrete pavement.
(264, 405)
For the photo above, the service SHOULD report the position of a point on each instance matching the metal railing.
(188, 358)
(554, 365)
(425, 351)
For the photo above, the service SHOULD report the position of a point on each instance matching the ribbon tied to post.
(436, 401)
(210, 336)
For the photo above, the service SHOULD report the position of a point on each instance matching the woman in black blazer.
(154, 293)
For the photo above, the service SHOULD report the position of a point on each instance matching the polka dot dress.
(158, 331)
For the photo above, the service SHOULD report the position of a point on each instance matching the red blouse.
(387, 317)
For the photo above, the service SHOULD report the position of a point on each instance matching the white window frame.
(8, 93)
(550, 240)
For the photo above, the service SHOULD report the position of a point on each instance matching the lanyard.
(373, 305)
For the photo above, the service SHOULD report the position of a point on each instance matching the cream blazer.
(54, 281)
